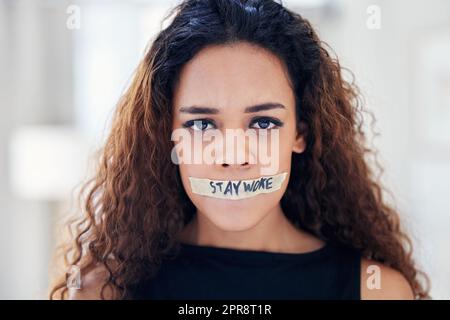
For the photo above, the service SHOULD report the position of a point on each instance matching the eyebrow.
(250, 109)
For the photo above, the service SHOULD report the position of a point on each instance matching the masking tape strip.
(236, 189)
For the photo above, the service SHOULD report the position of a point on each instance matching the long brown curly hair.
(135, 205)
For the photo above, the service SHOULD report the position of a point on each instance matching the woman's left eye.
(266, 123)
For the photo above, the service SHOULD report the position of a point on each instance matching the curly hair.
(136, 204)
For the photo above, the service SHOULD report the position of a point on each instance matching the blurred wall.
(36, 88)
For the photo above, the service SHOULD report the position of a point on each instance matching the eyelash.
(274, 121)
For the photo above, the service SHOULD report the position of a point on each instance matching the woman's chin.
(234, 215)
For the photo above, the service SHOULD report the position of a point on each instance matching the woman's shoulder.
(92, 283)
(380, 282)
(377, 280)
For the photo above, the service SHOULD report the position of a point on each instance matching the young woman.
(316, 227)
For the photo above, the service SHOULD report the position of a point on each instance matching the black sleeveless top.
(206, 272)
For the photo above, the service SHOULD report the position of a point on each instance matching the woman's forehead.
(233, 77)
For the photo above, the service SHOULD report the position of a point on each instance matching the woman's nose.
(234, 160)
(238, 153)
(244, 165)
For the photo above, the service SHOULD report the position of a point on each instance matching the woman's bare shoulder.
(380, 282)
(91, 285)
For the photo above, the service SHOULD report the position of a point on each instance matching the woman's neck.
(275, 233)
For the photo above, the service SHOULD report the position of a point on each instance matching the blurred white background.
(60, 81)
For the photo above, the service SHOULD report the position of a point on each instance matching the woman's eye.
(199, 125)
(266, 123)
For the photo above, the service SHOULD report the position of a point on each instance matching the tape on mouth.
(236, 189)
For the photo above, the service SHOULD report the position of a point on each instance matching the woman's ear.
(300, 143)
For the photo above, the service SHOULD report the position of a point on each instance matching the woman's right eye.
(199, 124)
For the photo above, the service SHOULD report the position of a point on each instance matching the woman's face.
(222, 82)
